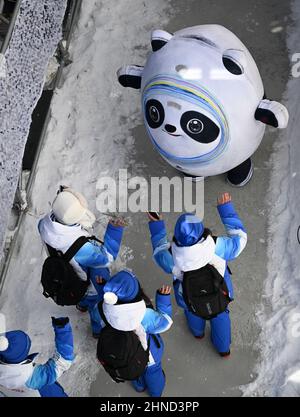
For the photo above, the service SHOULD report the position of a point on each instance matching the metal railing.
(11, 23)
(73, 13)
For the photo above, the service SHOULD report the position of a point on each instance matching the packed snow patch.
(279, 370)
(35, 37)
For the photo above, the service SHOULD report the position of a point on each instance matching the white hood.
(128, 317)
(58, 235)
(189, 258)
(15, 376)
(125, 317)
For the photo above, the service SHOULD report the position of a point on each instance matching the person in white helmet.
(63, 226)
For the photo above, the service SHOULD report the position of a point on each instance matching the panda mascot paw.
(130, 76)
(272, 113)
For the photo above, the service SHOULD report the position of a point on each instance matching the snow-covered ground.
(89, 134)
(22, 70)
(279, 371)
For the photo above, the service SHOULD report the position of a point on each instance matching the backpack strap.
(52, 251)
(96, 239)
(102, 315)
(74, 248)
(156, 341)
(215, 240)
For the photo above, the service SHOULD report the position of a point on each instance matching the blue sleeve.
(42, 375)
(159, 321)
(231, 246)
(93, 255)
(64, 341)
(178, 294)
(164, 304)
(48, 373)
(160, 245)
(112, 239)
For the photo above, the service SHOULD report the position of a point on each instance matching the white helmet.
(70, 207)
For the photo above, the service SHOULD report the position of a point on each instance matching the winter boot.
(225, 354)
(240, 175)
(138, 385)
(81, 309)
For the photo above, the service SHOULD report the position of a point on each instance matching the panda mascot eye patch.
(155, 113)
(199, 127)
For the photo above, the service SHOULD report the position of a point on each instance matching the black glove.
(60, 321)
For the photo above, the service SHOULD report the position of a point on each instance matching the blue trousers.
(153, 380)
(220, 329)
(91, 301)
(53, 390)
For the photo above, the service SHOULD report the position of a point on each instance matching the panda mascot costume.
(203, 102)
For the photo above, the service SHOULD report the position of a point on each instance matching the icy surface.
(89, 133)
(36, 34)
(279, 371)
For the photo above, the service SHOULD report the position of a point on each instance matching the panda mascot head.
(203, 100)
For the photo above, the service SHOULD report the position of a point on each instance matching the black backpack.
(121, 353)
(205, 292)
(59, 279)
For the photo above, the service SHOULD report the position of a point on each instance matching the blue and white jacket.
(92, 256)
(143, 321)
(25, 379)
(177, 260)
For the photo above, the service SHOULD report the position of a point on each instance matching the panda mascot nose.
(170, 128)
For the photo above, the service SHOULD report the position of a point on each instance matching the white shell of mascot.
(203, 101)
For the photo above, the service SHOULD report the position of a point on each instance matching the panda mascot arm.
(272, 113)
(131, 75)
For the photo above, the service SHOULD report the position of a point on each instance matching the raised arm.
(62, 359)
(159, 320)
(113, 237)
(161, 253)
(231, 246)
(96, 255)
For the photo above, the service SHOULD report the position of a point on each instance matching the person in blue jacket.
(63, 226)
(19, 374)
(127, 308)
(192, 248)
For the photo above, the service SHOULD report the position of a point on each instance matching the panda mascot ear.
(159, 38)
(130, 76)
(272, 113)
